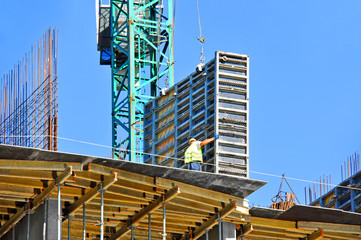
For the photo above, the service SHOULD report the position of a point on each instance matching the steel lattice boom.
(140, 52)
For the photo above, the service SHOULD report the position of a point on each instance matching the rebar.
(28, 93)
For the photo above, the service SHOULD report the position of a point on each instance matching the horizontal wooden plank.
(38, 165)
(329, 227)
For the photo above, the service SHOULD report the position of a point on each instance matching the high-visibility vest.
(193, 154)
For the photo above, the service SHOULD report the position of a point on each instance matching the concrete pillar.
(44, 216)
(228, 232)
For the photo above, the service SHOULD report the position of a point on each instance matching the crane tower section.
(135, 37)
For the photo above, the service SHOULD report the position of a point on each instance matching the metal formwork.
(207, 102)
(346, 195)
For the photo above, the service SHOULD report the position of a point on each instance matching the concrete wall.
(228, 232)
(38, 220)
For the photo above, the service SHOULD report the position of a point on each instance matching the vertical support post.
(132, 227)
(102, 190)
(45, 217)
(59, 212)
(69, 226)
(28, 226)
(149, 227)
(219, 227)
(84, 221)
(13, 233)
(164, 220)
(207, 230)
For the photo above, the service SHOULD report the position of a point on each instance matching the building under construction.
(52, 195)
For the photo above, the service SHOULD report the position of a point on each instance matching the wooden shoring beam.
(212, 221)
(125, 182)
(39, 165)
(8, 204)
(200, 192)
(133, 221)
(245, 229)
(316, 235)
(18, 191)
(341, 236)
(134, 177)
(23, 182)
(192, 192)
(37, 201)
(111, 196)
(28, 174)
(267, 235)
(286, 232)
(329, 227)
(91, 194)
(275, 223)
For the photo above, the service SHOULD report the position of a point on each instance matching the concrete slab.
(228, 184)
(308, 213)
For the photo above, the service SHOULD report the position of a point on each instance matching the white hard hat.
(191, 140)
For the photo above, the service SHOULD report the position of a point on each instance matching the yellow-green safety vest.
(193, 154)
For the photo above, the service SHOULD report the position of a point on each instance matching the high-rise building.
(212, 100)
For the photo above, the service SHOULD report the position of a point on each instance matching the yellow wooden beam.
(201, 192)
(274, 223)
(268, 235)
(133, 221)
(91, 194)
(134, 177)
(188, 191)
(39, 165)
(286, 232)
(59, 180)
(245, 229)
(316, 235)
(26, 174)
(213, 220)
(329, 227)
(36, 202)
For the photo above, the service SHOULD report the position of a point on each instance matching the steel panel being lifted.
(213, 100)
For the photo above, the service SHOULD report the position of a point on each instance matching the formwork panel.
(207, 102)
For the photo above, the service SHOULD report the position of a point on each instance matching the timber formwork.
(115, 201)
(131, 202)
(208, 102)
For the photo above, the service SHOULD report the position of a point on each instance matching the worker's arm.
(209, 140)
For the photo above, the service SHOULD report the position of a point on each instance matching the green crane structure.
(135, 37)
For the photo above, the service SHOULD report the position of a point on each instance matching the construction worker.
(193, 155)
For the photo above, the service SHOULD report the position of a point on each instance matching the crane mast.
(140, 53)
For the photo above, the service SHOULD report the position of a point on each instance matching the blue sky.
(304, 76)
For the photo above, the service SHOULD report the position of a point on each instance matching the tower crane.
(135, 37)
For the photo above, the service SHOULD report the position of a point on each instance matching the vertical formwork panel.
(212, 100)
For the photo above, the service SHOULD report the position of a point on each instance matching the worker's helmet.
(191, 140)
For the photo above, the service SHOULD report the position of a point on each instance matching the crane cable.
(200, 38)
